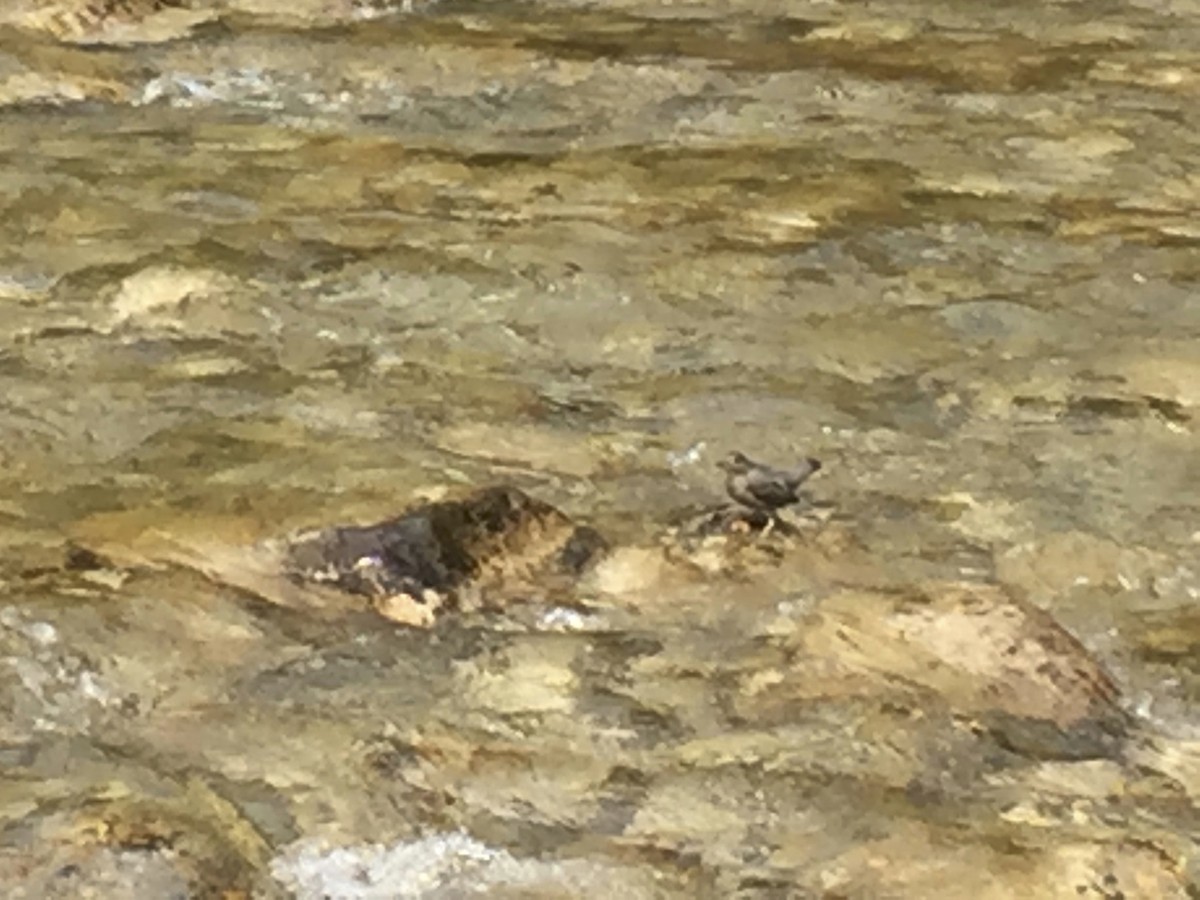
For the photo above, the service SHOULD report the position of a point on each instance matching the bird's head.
(735, 463)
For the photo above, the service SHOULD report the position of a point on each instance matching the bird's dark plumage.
(763, 487)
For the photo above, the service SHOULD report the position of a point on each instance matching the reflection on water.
(272, 266)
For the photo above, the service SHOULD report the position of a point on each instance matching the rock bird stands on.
(761, 487)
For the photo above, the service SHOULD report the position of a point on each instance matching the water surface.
(272, 265)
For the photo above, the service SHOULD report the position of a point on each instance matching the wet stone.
(717, 537)
(492, 545)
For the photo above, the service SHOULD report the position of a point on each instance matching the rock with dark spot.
(495, 544)
(486, 549)
(996, 658)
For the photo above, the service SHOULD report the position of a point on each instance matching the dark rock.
(1101, 736)
(81, 559)
(494, 544)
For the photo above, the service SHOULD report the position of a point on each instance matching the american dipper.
(762, 487)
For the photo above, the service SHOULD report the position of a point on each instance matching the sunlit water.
(287, 264)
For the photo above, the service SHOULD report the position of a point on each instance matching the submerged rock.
(109, 21)
(486, 549)
(1005, 664)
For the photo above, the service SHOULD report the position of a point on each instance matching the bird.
(761, 487)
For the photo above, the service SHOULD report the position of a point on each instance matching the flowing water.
(269, 265)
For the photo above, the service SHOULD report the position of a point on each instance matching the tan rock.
(128, 21)
(629, 571)
(161, 293)
(981, 649)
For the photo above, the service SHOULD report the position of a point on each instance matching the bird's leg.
(724, 519)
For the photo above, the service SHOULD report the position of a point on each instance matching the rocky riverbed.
(271, 269)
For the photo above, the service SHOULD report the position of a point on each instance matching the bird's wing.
(771, 491)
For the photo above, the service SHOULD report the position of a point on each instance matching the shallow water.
(266, 266)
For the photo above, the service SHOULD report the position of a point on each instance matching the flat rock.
(486, 549)
(999, 660)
